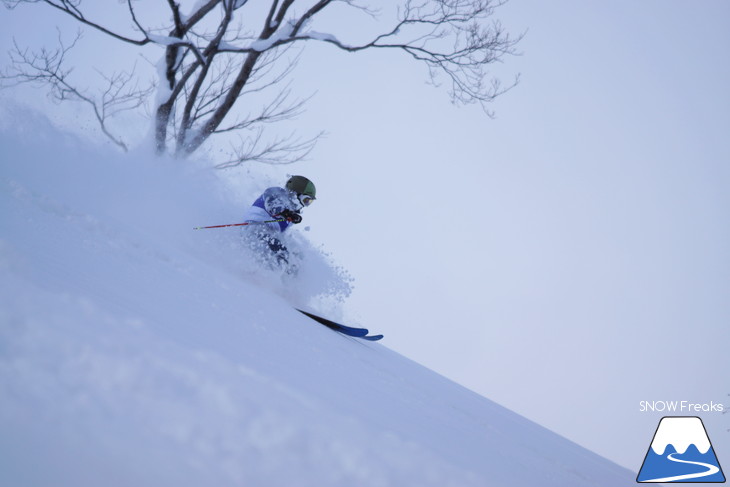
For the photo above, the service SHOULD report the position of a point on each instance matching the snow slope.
(137, 352)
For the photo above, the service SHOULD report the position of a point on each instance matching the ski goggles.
(306, 200)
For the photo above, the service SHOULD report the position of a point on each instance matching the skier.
(282, 204)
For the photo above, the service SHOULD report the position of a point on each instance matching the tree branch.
(120, 94)
(69, 8)
(284, 150)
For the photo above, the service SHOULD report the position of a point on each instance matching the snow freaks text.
(680, 407)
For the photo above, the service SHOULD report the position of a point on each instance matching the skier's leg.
(281, 254)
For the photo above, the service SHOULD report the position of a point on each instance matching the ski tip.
(346, 330)
(372, 338)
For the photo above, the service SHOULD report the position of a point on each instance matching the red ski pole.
(240, 224)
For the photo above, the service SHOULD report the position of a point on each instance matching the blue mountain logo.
(681, 452)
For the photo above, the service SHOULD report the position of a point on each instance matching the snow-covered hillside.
(135, 351)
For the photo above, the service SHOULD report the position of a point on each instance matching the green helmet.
(301, 186)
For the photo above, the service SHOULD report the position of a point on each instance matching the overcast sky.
(567, 259)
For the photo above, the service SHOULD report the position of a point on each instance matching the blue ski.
(345, 330)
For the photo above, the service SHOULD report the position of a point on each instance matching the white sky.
(568, 259)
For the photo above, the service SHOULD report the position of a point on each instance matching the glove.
(291, 216)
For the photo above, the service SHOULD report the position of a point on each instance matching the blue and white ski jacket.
(269, 206)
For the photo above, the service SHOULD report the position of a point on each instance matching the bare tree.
(224, 50)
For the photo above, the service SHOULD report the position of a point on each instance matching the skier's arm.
(279, 205)
(276, 201)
